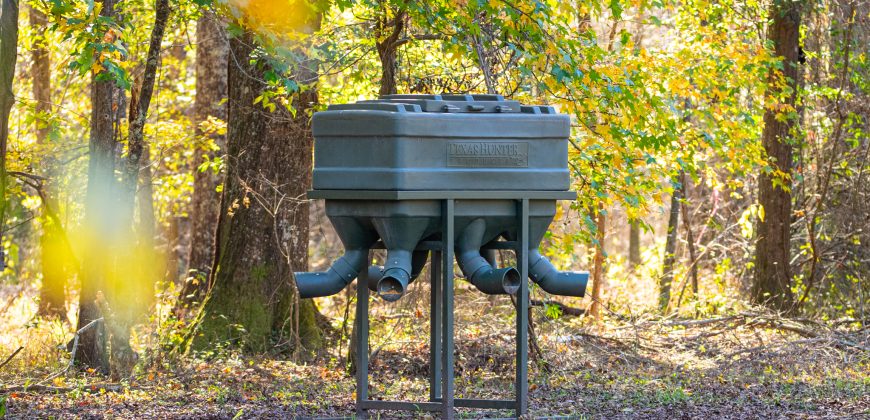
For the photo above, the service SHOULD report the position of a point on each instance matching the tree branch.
(11, 356)
(418, 37)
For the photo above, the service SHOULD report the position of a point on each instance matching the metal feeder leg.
(522, 384)
(362, 351)
(447, 307)
(435, 327)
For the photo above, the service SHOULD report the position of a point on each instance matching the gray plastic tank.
(441, 142)
(434, 145)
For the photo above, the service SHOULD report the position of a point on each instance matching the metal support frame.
(441, 379)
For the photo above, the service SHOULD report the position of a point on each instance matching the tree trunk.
(173, 257)
(54, 267)
(146, 229)
(58, 259)
(40, 71)
(598, 264)
(386, 46)
(110, 289)
(211, 89)
(139, 104)
(145, 250)
(262, 235)
(690, 235)
(131, 296)
(8, 57)
(667, 277)
(633, 244)
(772, 282)
(100, 219)
(54, 264)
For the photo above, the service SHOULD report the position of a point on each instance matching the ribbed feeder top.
(483, 104)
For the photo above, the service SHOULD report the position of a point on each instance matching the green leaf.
(60, 8)
(616, 9)
(624, 37)
(552, 311)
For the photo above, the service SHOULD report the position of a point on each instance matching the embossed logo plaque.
(488, 154)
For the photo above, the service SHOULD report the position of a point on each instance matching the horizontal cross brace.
(436, 245)
(436, 406)
(440, 195)
(399, 405)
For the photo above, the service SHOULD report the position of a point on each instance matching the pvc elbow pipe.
(553, 281)
(332, 281)
(394, 279)
(357, 240)
(476, 268)
(418, 261)
(497, 281)
(401, 235)
(393, 284)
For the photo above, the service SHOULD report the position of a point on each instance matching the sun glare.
(277, 19)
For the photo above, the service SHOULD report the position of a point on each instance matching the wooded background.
(157, 154)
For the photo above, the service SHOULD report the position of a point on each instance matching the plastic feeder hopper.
(457, 176)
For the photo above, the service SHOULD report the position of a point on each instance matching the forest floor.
(745, 364)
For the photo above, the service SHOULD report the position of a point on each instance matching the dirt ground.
(740, 365)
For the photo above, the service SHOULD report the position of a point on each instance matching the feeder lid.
(445, 103)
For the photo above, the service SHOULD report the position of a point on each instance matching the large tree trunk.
(8, 57)
(54, 257)
(772, 282)
(262, 235)
(211, 89)
(100, 218)
(667, 278)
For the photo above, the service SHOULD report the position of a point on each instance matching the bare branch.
(418, 37)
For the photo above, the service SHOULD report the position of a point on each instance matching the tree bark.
(131, 296)
(598, 264)
(772, 282)
(146, 228)
(633, 244)
(8, 58)
(100, 219)
(40, 71)
(136, 146)
(54, 256)
(667, 277)
(262, 235)
(211, 89)
(690, 235)
(386, 46)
